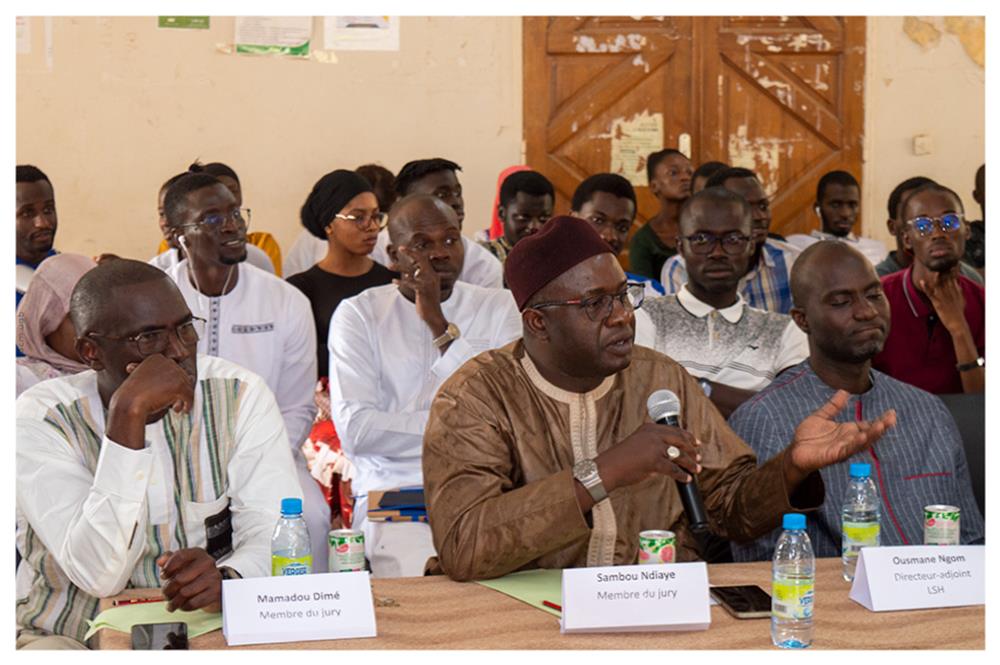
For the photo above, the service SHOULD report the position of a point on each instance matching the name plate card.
(635, 598)
(297, 608)
(913, 578)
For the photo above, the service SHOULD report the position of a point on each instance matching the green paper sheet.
(531, 587)
(123, 618)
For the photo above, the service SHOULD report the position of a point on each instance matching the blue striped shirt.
(766, 286)
(918, 462)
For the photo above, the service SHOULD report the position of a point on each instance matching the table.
(437, 613)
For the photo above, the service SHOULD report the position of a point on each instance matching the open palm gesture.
(819, 441)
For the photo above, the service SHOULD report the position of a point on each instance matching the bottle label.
(858, 535)
(792, 599)
(291, 566)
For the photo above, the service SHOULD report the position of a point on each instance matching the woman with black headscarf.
(341, 209)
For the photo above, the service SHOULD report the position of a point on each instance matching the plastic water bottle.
(792, 586)
(859, 517)
(290, 553)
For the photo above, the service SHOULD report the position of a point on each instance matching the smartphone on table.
(159, 636)
(743, 602)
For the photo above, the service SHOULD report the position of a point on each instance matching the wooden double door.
(783, 96)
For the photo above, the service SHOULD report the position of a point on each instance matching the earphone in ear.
(182, 240)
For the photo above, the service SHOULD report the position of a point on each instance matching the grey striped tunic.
(918, 462)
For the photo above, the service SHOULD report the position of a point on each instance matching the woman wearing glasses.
(341, 209)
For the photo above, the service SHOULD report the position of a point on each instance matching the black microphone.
(663, 408)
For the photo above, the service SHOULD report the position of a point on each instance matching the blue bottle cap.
(291, 506)
(861, 470)
(794, 521)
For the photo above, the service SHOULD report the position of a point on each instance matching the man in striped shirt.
(156, 468)
(766, 283)
(840, 305)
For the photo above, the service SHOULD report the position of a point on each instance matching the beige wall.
(125, 105)
(937, 91)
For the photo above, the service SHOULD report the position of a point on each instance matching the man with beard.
(391, 347)
(838, 202)
(841, 307)
(156, 468)
(938, 338)
(541, 454)
(253, 318)
(35, 220)
(733, 349)
(901, 258)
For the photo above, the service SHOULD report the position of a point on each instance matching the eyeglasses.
(599, 308)
(733, 242)
(241, 216)
(948, 223)
(380, 219)
(156, 341)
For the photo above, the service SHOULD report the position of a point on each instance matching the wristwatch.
(229, 573)
(965, 367)
(586, 472)
(451, 333)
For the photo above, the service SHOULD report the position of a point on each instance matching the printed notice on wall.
(274, 35)
(23, 35)
(631, 142)
(184, 22)
(361, 33)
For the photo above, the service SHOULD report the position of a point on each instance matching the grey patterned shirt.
(918, 462)
(739, 346)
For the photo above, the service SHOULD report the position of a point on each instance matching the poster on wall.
(631, 142)
(274, 35)
(183, 22)
(361, 33)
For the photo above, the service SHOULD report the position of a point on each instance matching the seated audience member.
(839, 304)
(765, 286)
(439, 178)
(254, 318)
(541, 454)
(703, 173)
(526, 200)
(901, 258)
(390, 348)
(173, 254)
(126, 478)
(734, 350)
(606, 201)
(35, 222)
(669, 174)
(938, 336)
(308, 250)
(975, 245)
(838, 201)
(341, 208)
(44, 330)
(495, 229)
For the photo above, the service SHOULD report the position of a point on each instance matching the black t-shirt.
(325, 290)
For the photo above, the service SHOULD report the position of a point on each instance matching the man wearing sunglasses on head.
(254, 318)
(158, 467)
(938, 336)
(734, 350)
